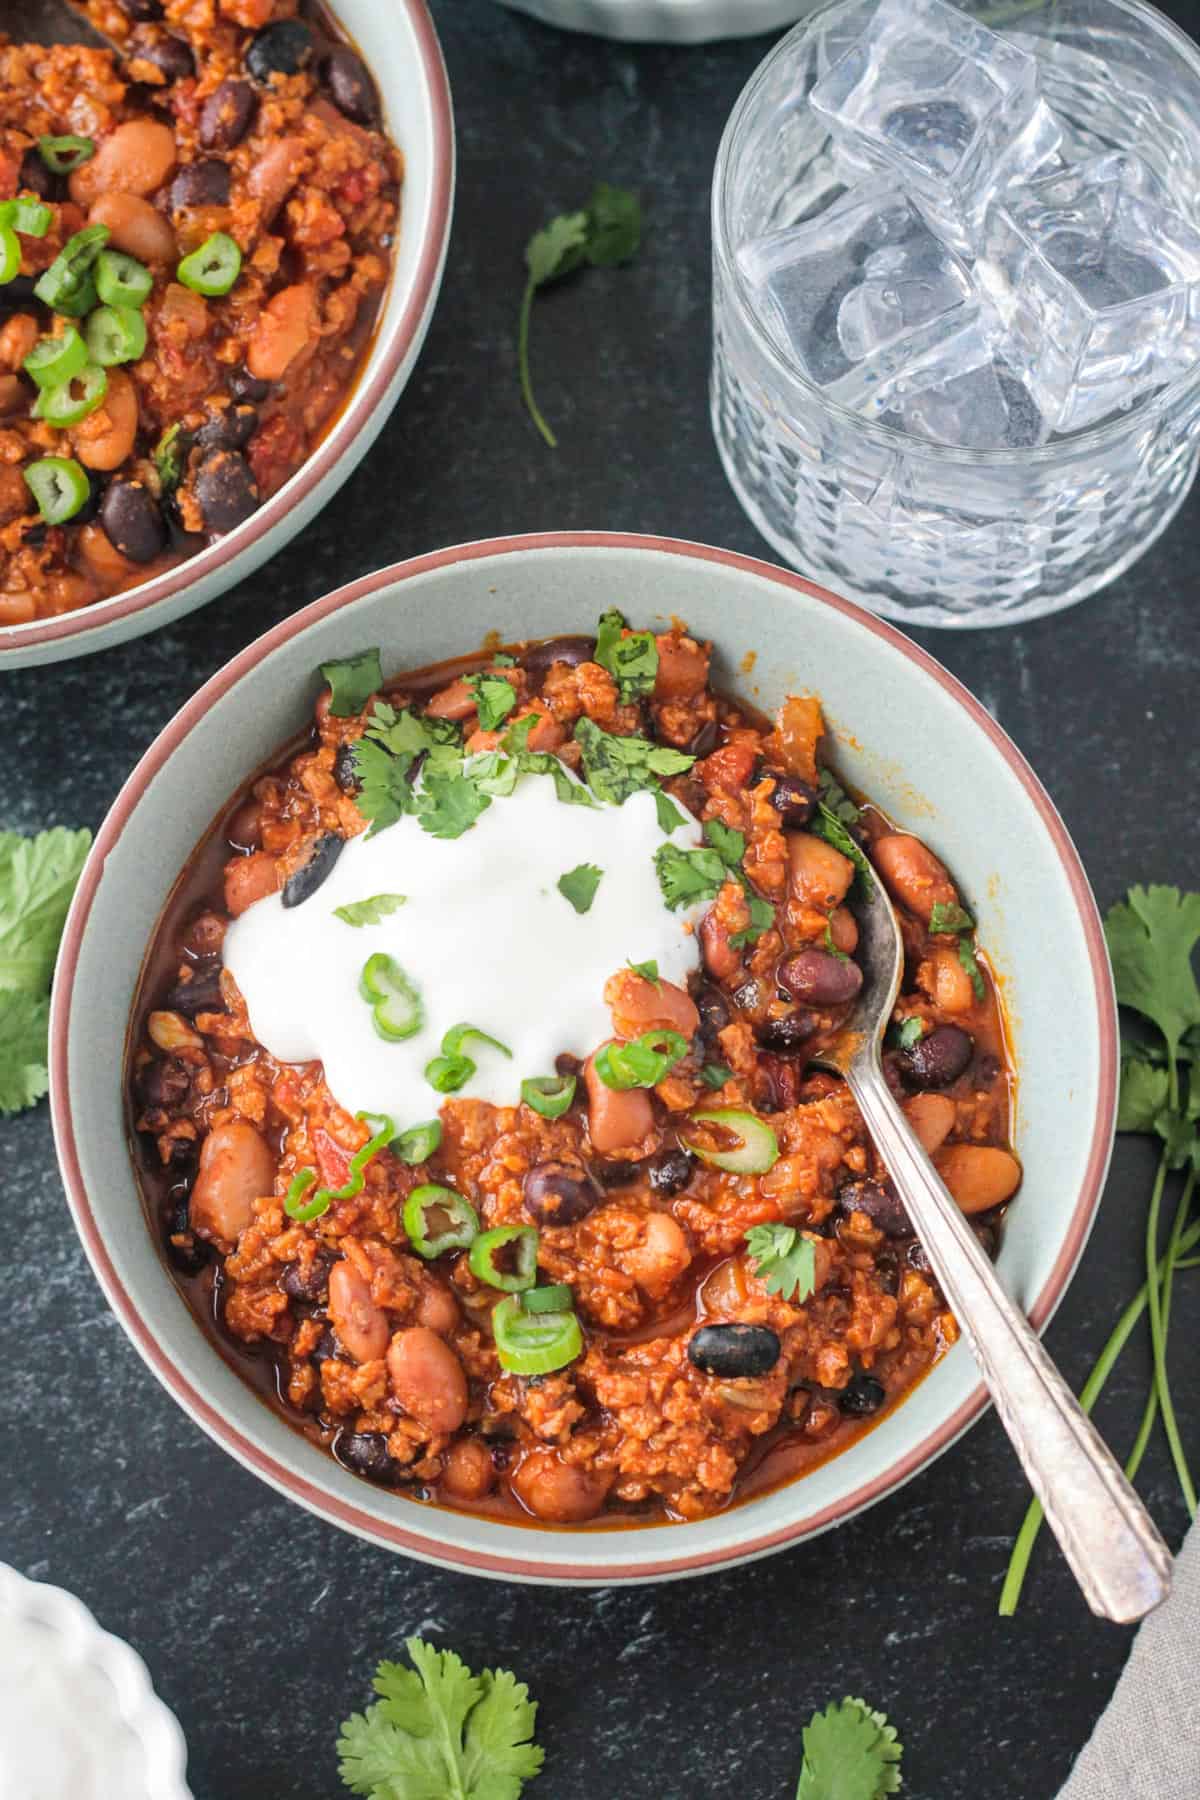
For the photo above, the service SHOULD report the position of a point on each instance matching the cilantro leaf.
(494, 699)
(669, 816)
(352, 680)
(826, 824)
(1151, 937)
(371, 911)
(385, 764)
(614, 226)
(579, 885)
(910, 1033)
(835, 798)
(648, 971)
(762, 917)
(619, 766)
(687, 876)
(785, 1259)
(441, 1733)
(948, 916)
(850, 1753)
(729, 845)
(24, 1076)
(966, 956)
(631, 660)
(385, 789)
(449, 804)
(715, 1075)
(37, 879)
(557, 248)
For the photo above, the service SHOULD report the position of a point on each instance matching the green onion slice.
(394, 1001)
(534, 1343)
(64, 154)
(458, 1035)
(557, 1298)
(755, 1150)
(32, 218)
(448, 1073)
(518, 1245)
(418, 1143)
(293, 1200)
(59, 485)
(54, 360)
(71, 401)
(122, 280)
(549, 1095)
(213, 268)
(68, 284)
(437, 1219)
(115, 334)
(643, 1063)
(10, 254)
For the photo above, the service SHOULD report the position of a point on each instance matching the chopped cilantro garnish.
(352, 680)
(966, 956)
(715, 1075)
(762, 917)
(619, 766)
(686, 876)
(948, 916)
(449, 804)
(835, 798)
(785, 1260)
(502, 660)
(371, 911)
(826, 824)
(910, 1033)
(669, 816)
(647, 970)
(494, 699)
(579, 885)
(631, 660)
(830, 946)
(729, 845)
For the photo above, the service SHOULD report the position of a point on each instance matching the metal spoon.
(1106, 1534)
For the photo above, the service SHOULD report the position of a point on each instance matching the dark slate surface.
(261, 1626)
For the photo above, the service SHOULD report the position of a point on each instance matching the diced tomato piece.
(332, 1161)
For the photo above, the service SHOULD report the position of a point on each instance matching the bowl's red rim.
(366, 397)
(427, 1545)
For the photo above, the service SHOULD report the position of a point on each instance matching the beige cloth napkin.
(1146, 1745)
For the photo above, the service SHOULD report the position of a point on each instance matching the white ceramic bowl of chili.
(957, 781)
(400, 47)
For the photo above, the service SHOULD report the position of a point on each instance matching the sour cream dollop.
(485, 937)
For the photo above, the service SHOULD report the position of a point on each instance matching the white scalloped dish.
(667, 21)
(79, 1719)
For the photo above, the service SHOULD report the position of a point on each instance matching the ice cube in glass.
(858, 291)
(941, 104)
(1096, 277)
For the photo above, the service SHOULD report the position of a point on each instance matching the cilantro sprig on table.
(37, 879)
(1152, 937)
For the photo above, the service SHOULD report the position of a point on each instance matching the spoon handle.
(1106, 1534)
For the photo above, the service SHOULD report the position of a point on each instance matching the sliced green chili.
(418, 1143)
(643, 1063)
(549, 1095)
(68, 284)
(394, 1001)
(64, 154)
(557, 1298)
(59, 485)
(534, 1343)
(32, 218)
(71, 401)
(213, 268)
(115, 334)
(293, 1200)
(122, 280)
(521, 1242)
(756, 1151)
(54, 360)
(10, 254)
(453, 1069)
(382, 1131)
(437, 1219)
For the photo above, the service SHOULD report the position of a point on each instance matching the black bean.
(226, 491)
(787, 1035)
(538, 658)
(133, 521)
(880, 1202)
(190, 1255)
(36, 178)
(344, 772)
(614, 1174)
(315, 1284)
(18, 291)
(714, 1012)
(140, 10)
(734, 1350)
(862, 1396)
(169, 54)
(794, 800)
(938, 1059)
(201, 184)
(245, 386)
(350, 87)
(670, 1171)
(201, 994)
(164, 1081)
(365, 1452)
(231, 429)
(820, 978)
(304, 882)
(279, 49)
(558, 1194)
(226, 114)
(705, 740)
(918, 1258)
(987, 1070)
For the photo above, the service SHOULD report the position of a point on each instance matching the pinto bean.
(276, 173)
(639, 1005)
(285, 327)
(682, 668)
(843, 929)
(979, 1176)
(137, 159)
(236, 1168)
(438, 1309)
(18, 335)
(248, 879)
(558, 1491)
(912, 874)
(135, 227)
(427, 1379)
(106, 437)
(617, 1120)
(818, 875)
(469, 1473)
(360, 1324)
(932, 1117)
(722, 961)
(455, 702)
(663, 1255)
(947, 982)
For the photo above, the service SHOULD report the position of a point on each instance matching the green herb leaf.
(352, 680)
(448, 805)
(910, 1033)
(835, 799)
(785, 1259)
(37, 879)
(631, 661)
(850, 1753)
(669, 816)
(826, 824)
(948, 916)
(729, 845)
(557, 248)
(170, 456)
(1143, 1095)
(579, 885)
(829, 944)
(688, 876)
(24, 1023)
(762, 917)
(614, 232)
(494, 699)
(1151, 938)
(619, 766)
(647, 970)
(441, 1733)
(370, 912)
(966, 956)
(502, 660)
(715, 1075)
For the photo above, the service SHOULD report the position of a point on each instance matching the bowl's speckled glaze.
(908, 734)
